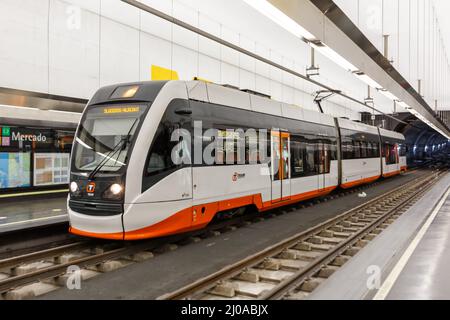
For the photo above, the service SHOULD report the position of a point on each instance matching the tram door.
(280, 166)
(323, 161)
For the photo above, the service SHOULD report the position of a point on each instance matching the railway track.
(293, 268)
(37, 272)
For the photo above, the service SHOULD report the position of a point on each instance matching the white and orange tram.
(162, 157)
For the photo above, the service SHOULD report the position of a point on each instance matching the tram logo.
(90, 188)
(237, 176)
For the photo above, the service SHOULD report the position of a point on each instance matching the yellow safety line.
(32, 193)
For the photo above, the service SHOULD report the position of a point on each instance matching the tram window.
(356, 150)
(369, 149)
(297, 158)
(160, 156)
(376, 149)
(303, 161)
(231, 148)
(363, 145)
(327, 158)
(402, 150)
(390, 153)
(251, 149)
(333, 150)
(347, 149)
(310, 161)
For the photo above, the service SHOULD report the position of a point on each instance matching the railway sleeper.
(342, 235)
(370, 236)
(269, 264)
(272, 276)
(30, 267)
(326, 271)
(225, 289)
(291, 264)
(69, 257)
(337, 228)
(363, 242)
(332, 241)
(352, 251)
(340, 260)
(311, 284)
(248, 275)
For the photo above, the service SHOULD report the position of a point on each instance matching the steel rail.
(17, 260)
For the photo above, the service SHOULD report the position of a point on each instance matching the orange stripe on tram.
(359, 182)
(390, 174)
(199, 216)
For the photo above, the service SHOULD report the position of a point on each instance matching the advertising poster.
(14, 170)
(51, 168)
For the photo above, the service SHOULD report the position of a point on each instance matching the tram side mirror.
(183, 111)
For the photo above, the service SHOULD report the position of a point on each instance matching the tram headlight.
(73, 187)
(116, 189)
(114, 192)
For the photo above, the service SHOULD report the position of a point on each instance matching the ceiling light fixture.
(388, 94)
(367, 80)
(333, 55)
(280, 18)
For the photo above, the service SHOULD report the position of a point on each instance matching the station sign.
(19, 136)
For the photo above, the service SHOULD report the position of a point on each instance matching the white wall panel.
(206, 46)
(247, 80)
(246, 62)
(24, 51)
(156, 26)
(229, 74)
(90, 5)
(154, 51)
(229, 55)
(120, 12)
(262, 84)
(181, 35)
(119, 53)
(74, 51)
(208, 68)
(261, 67)
(185, 61)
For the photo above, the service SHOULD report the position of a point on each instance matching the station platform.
(30, 211)
(422, 272)
(407, 261)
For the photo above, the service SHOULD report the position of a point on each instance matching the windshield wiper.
(118, 147)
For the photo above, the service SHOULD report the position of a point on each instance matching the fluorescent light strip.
(65, 112)
(388, 94)
(277, 16)
(18, 107)
(280, 18)
(368, 80)
(334, 56)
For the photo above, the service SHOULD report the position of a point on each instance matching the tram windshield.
(104, 137)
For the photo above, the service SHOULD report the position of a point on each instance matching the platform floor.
(370, 273)
(426, 273)
(172, 270)
(22, 213)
